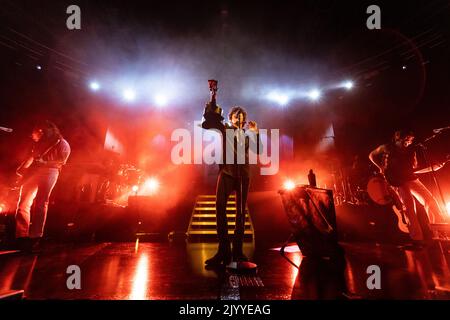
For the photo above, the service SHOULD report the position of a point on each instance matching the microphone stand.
(239, 174)
(433, 172)
(239, 266)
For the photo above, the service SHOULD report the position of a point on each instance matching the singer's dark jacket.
(213, 120)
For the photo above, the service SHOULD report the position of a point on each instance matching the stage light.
(94, 85)
(448, 208)
(348, 85)
(135, 188)
(314, 95)
(129, 95)
(151, 185)
(2, 207)
(281, 99)
(289, 184)
(160, 100)
(38, 67)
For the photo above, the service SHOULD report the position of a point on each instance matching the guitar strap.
(50, 148)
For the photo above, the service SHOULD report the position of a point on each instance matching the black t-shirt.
(399, 164)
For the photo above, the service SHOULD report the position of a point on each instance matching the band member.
(229, 180)
(40, 172)
(397, 160)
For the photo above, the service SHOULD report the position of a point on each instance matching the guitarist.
(397, 160)
(39, 173)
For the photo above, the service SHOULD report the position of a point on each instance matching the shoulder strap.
(50, 148)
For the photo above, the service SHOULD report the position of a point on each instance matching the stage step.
(213, 203)
(213, 208)
(213, 232)
(202, 226)
(212, 223)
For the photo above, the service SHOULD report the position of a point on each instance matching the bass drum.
(378, 190)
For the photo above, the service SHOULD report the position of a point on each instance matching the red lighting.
(289, 185)
(151, 185)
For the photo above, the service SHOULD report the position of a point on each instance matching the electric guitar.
(27, 165)
(402, 222)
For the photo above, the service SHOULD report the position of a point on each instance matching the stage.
(137, 136)
(175, 271)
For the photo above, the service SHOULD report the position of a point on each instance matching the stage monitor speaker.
(311, 214)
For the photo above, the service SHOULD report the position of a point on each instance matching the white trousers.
(416, 189)
(37, 189)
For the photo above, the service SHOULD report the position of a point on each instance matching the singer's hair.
(49, 129)
(401, 134)
(236, 109)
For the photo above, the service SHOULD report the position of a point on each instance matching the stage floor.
(166, 270)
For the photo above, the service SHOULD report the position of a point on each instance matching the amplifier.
(311, 214)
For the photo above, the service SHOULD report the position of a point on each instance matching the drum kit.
(117, 185)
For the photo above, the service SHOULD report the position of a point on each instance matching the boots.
(238, 254)
(24, 244)
(28, 245)
(222, 256)
(36, 246)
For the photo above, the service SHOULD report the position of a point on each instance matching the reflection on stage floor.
(165, 270)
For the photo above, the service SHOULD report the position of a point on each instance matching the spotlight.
(161, 100)
(94, 85)
(279, 98)
(448, 208)
(404, 67)
(314, 95)
(38, 67)
(289, 184)
(135, 188)
(151, 185)
(348, 85)
(129, 95)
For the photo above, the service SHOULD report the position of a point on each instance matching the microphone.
(441, 129)
(240, 124)
(6, 129)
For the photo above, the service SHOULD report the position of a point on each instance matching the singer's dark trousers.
(226, 184)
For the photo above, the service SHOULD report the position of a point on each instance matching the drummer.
(397, 160)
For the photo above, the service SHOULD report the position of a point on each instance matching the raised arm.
(374, 156)
(212, 115)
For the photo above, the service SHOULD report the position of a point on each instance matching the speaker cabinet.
(311, 214)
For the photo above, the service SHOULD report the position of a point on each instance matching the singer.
(233, 175)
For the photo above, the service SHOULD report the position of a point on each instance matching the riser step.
(213, 226)
(213, 203)
(210, 215)
(214, 232)
(213, 239)
(213, 223)
(213, 197)
(214, 209)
